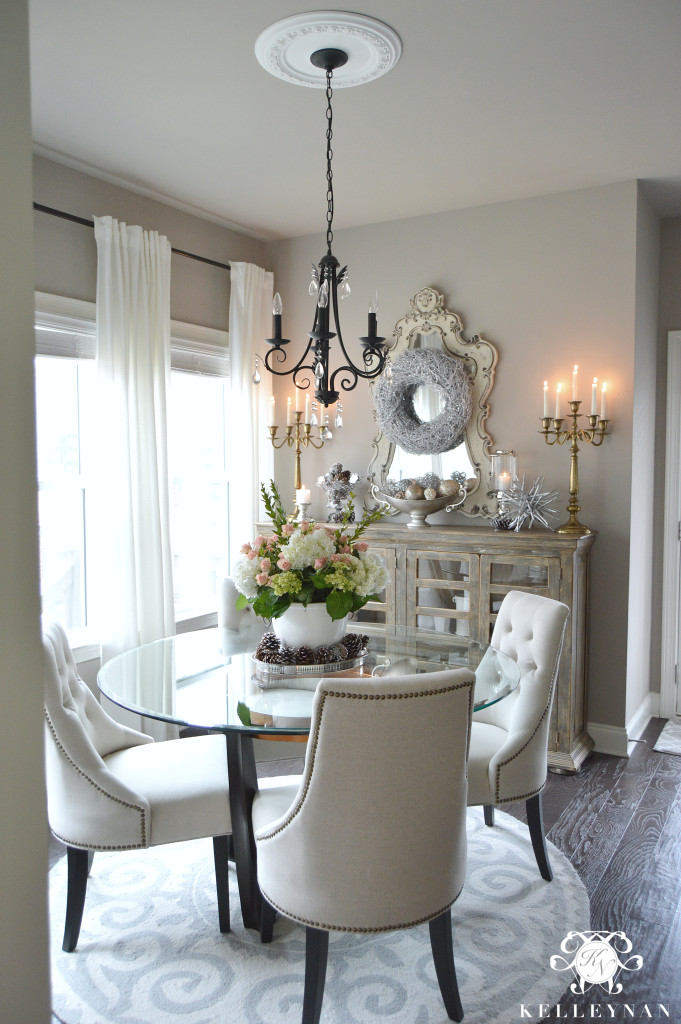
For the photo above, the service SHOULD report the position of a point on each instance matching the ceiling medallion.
(285, 48)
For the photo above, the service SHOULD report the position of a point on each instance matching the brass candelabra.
(297, 436)
(556, 435)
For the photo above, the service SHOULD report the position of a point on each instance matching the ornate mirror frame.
(428, 315)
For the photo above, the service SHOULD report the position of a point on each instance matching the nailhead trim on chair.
(99, 789)
(511, 799)
(312, 743)
(362, 931)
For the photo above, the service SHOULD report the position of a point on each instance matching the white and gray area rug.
(669, 740)
(150, 951)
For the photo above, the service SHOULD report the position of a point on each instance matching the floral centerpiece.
(307, 563)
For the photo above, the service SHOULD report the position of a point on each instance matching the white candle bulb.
(288, 412)
(574, 383)
(546, 399)
(299, 400)
(273, 412)
(558, 390)
(307, 408)
(594, 388)
(604, 404)
(277, 307)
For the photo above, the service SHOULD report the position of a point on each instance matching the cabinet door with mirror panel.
(430, 327)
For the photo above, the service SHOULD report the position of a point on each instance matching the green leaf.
(241, 602)
(339, 604)
(244, 713)
(268, 605)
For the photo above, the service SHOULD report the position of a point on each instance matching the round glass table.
(210, 680)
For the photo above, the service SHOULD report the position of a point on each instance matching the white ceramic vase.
(309, 627)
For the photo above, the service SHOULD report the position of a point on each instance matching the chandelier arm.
(281, 358)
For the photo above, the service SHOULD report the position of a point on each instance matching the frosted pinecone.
(304, 656)
(286, 656)
(352, 642)
(269, 644)
(321, 655)
(337, 652)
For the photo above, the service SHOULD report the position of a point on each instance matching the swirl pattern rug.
(150, 951)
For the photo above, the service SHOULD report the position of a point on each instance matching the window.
(65, 389)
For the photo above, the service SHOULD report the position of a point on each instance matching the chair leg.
(267, 916)
(221, 859)
(316, 955)
(488, 810)
(78, 865)
(443, 958)
(535, 821)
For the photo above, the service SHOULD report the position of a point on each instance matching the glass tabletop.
(211, 679)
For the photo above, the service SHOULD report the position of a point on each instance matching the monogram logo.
(596, 960)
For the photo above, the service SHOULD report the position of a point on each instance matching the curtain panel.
(133, 578)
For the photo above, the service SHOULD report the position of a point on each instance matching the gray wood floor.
(619, 823)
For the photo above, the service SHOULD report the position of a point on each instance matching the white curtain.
(249, 450)
(134, 598)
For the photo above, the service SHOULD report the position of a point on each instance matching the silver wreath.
(394, 402)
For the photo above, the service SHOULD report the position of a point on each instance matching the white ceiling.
(491, 100)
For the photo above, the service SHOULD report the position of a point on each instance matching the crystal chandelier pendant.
(256, 372)
(338, 421)
(388, 371)
(344, 289)
(313, 418)
(318, 371)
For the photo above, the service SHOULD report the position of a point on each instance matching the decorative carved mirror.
(430, 327)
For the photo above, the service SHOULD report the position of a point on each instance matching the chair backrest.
(530, 629)
(376, 837)
(79, 735)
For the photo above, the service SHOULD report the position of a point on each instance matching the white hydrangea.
(370, 576)
(303, 548)
(245, 571)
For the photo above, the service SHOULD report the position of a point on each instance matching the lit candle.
(546, 399)
(574, 383)
(303, 496)
(504, 481)
(604, 404)
(299, 400)
(307, 408)
(288, 412)
(594, 388)
(273, 412)
(558, 389)
(276, 317)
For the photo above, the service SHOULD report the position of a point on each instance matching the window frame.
(66, 327)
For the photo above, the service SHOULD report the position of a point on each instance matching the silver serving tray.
(267, 668)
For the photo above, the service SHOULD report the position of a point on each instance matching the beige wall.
(24, 983)
(66, 254)
(550, 281)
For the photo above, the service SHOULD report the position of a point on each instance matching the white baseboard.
(617, 739)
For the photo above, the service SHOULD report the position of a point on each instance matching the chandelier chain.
(329, 157)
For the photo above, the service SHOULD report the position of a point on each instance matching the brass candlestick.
(297, 436)
(593, 435)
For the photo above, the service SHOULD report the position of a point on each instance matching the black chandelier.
(327, 285)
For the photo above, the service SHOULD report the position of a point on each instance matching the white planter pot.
(309, 627)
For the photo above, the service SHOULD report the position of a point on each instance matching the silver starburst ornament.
(532, 505)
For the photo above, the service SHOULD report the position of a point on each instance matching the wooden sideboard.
(454, 579)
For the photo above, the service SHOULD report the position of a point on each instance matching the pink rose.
(362, 546)
(346, 549)
(319, 563)
(245, 548)
(304, 525)
(284, 564)
(258, 542)
(251, 555)
(337, 558)
(288, 528)
(330, 533)
(262, 579)
(265, 564)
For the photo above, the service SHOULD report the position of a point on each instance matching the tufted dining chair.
(509, 741)
(112, 788)
(333, 852)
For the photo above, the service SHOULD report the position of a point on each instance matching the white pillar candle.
(546, 399)
(273, 412)
(289, 414)
(594, 388)
(307, 408)
(299, 400)
(604, 404)
(558, 389)
(303, 496)
(574, 383)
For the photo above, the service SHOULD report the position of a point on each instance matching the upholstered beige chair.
(509, 741)
(374, 837)
(112, 788)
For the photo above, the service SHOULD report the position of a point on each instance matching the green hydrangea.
(286, 583)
